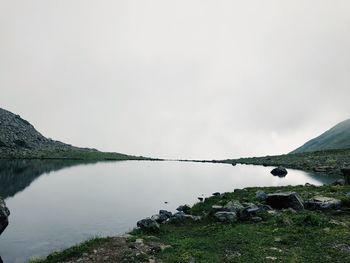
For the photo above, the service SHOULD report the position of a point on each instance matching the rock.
(321, 202)
(183, 208)
(160, 218)
(285, 200)
(181, 217)
(234, 206)
(165, 247)
(250, 210)
(4, 214)
(165, 213)
(272, 212)
(155, 218)
(309, 185)
(292, 210)
(148, 224)
(265, 208)
(218, 208)
(226, 217)
(191, 260)
(279, 171)
(347, 195)
(200, 199)
(216, 194)
(261, 195)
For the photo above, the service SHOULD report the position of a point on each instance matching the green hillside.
(337, 137)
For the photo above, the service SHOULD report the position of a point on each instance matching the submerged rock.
(285, 200)
(4, 214)
(321, 202)
(279, 171)
(226, 217)
(148, 224)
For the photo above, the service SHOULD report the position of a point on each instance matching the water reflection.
(16, 175)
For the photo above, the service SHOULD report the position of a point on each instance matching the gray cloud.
(177, 79)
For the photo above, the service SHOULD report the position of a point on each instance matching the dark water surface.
(56, 204)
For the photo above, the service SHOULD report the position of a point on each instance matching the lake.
(55, 204)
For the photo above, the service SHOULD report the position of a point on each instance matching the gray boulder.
(166, 213)
(217, 208)
(261, 195)
(234, 206)
(181, 217)
(148, 224)
(321, 202)
(4, 214)
(250, 210)
(226, 217)
(279, 171)
(183, 208)
(285, 200)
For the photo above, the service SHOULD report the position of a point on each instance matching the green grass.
(306, 236)
(73, 252)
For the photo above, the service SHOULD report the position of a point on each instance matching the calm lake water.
(56, 204)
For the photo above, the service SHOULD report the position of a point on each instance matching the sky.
(189, 79)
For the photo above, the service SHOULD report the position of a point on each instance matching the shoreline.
(137, 246)
(182, 240)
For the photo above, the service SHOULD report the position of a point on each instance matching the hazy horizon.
(185, 79)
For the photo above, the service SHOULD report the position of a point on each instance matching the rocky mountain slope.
(19, 139)
(337, 137)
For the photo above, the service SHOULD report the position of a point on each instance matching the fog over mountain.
(177, 79)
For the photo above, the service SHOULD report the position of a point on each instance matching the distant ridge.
(19, 139)
(337, 137)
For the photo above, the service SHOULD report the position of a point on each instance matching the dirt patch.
(122, 249)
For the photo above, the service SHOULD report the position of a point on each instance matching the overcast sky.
(177, 79)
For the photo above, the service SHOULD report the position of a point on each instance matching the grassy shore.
(287, 236)
(70, 154)
(330, 161)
